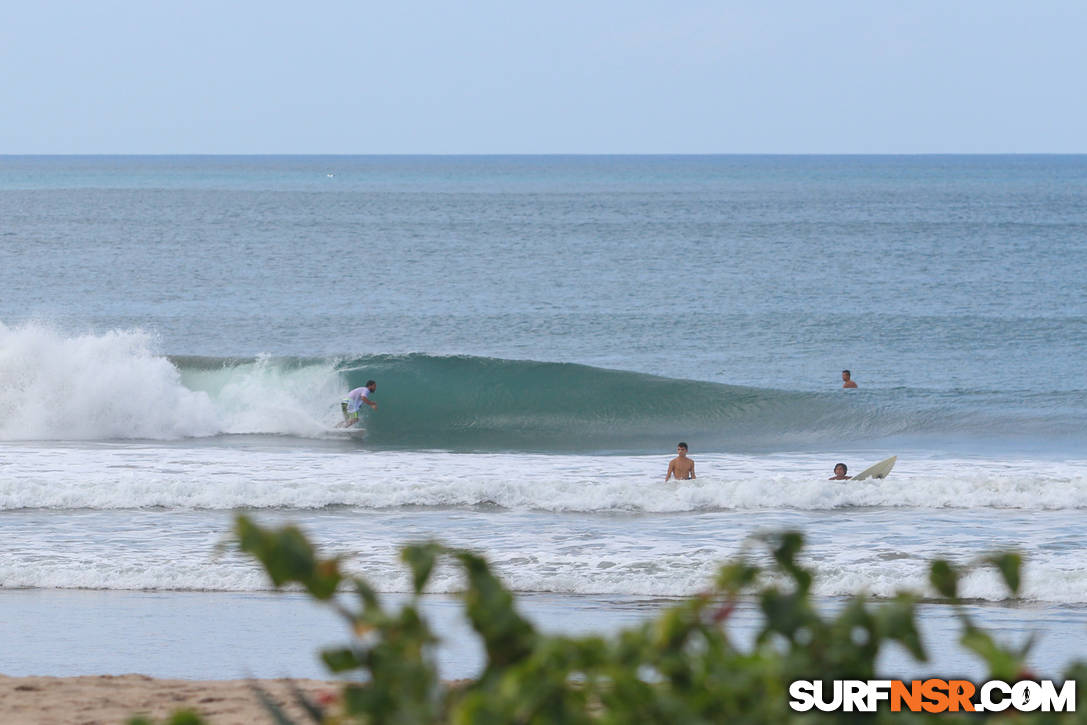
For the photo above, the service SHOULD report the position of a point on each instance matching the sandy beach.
(110, 699)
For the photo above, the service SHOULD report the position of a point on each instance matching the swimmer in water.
(839, 473)
(681, 466)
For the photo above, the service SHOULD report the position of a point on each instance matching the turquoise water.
(176, 334)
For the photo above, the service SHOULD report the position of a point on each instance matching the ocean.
(176, 334)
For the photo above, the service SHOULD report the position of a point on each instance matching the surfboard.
(880, 470)
(352, 432)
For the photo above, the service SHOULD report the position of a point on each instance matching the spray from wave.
(91, 386)
(116, 385)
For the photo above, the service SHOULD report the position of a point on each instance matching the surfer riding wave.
(352, 404)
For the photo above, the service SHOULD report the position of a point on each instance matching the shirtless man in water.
(847, 380)
(681, 466)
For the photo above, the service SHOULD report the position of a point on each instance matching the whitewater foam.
(93, 386)
(117, 386)
(135, 476)
(564, 559)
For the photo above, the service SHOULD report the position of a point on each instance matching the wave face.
(115, 386)
(484, 403)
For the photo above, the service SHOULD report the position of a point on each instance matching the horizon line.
(557, 154)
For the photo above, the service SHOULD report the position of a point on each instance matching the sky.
(588, 77)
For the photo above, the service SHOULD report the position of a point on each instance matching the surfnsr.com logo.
(932, 695)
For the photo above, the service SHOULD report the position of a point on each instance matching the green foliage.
(288, 557)
(681, 667)
(944, 578)
(181, 717)
(1008, 565)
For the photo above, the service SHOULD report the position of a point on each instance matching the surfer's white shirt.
(355, 398)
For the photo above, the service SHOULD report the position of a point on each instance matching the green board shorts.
(350, 416)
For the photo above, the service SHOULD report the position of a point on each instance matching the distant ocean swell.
(116, 386)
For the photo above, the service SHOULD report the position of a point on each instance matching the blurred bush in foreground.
(680, 667)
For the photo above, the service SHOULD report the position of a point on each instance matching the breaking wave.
(117, 386)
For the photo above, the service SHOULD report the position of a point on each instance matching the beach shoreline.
(113, 699)
(228, 636)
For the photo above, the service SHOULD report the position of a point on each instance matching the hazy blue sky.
(864, 76)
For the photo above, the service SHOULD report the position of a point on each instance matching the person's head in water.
(681, 448)
(840, 469)
(846, 375)
(371, 385)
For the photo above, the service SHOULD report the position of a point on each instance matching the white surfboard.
(352, 432)
(880, 470)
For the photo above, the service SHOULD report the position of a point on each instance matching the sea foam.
(94, 386)
(117, 386)
(135, 476)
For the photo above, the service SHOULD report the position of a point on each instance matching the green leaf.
(786, 547)
(1004, 664)
(898, 621)
(421, 559)
(1009, 565)
(507, 637)
(367, 595)
(341, 659)
(944, 578)
(736, 576)
(288, 557)
(186, 717)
